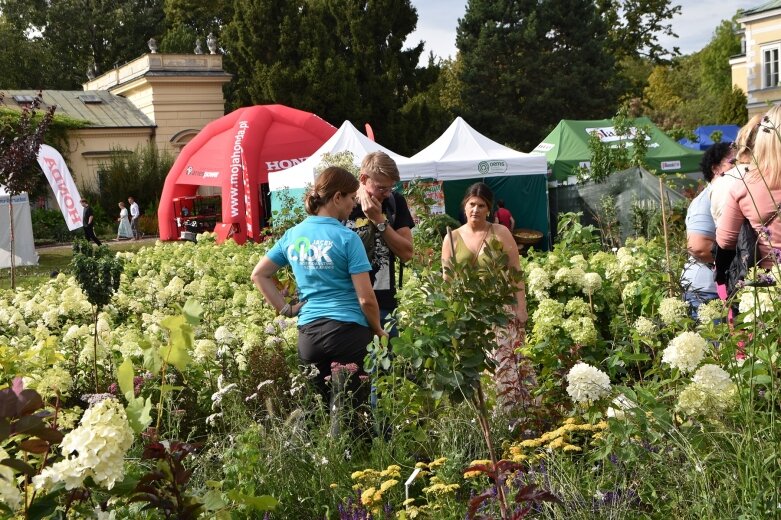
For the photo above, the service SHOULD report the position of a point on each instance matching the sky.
(437, 21)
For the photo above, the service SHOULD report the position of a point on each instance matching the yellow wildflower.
(367, 497)
(334, 485)
(421, 465)
(356, 475)
(472, 474)
(408, 502)
(437, 463)
(479, 462)
(385, 486)
(572, 447)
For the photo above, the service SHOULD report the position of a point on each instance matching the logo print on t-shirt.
(311, 254)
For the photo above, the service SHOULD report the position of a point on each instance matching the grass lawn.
(57, 258)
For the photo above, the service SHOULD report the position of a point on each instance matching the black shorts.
(325, 341)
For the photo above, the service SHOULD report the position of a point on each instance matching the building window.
(770, 66)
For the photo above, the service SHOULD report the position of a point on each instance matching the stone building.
(157, 98)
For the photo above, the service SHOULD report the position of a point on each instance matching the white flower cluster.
(592, 282)
(711, 311)
(754, 302)
(578, 261)
(581, 330)
(711, 392)
(548, 317)
(673, 310)
(685, 351)
(538, 283)
(100, 441)
(587, 383)
(223, 335)
(9, 493)
(205, 350)
(629, 292)
(645, 327)
(567, 276)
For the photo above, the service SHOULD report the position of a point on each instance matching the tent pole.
(666, 241)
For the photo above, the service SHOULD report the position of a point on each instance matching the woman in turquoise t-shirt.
(338, 312)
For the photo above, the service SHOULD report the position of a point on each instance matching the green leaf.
(261, 503)
(761, 379)
(192, 312)
(138, 413)
(152, 360)
(44, 506)
(212, 500)
(175, 353)
(125, 379)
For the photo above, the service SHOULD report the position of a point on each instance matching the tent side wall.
(24, 244)
(526, 197)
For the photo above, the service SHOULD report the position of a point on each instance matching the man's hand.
(371, 207)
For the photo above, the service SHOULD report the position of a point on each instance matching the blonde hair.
(744, 141)
(767, 148)
(380, 163)
(331, 181)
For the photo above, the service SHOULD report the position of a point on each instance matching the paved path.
(112, 244)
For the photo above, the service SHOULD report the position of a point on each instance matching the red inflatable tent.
(235, 154)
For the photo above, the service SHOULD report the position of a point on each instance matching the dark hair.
(500, 203)
(712, 157)
(331, 181)
(479, 189)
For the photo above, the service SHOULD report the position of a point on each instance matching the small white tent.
(462, 156)
(349, 139)
(24, 245)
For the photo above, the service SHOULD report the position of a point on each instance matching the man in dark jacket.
(88, 218)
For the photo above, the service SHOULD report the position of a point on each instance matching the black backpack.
(732, 265)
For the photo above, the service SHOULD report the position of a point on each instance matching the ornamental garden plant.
(181, 395)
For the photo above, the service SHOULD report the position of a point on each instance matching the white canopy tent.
(349, 139)
(462, 152)
(462, 156)
(24, 245)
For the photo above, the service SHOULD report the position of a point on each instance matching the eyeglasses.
(382, 189)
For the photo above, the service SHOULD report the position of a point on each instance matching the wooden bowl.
(527, 237)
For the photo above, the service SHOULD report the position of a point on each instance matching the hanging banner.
(65, 191)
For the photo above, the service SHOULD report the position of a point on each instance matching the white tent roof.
(461, 152)
(347, 138)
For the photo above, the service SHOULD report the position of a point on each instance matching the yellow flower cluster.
(438, 487)
(559, 439)
(374, 484)
(476, 472)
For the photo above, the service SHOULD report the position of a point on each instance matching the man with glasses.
(383, 221)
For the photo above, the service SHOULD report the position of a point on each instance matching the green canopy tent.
(566, 148)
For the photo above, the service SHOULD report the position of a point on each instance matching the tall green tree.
(527, 64)
(79, 33)
(341, 59)
(23, 59)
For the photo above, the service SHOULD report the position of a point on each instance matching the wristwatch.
(382, 225)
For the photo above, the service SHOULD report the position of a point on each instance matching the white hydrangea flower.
(548, 317)
(223, 335)
(578, 261)
(53, 380)
(101, 441)
(587, 383)
(538, 282)
(9, 493)
(581, 330)
(710, 393)
(645, 327)
(592, 282)
(629, 291)
(714, 379)
(685, 351)
(756, 301)
(205, 350)
(673, 310)
(577, 306)
(711, 311)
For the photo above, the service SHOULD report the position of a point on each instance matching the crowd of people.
(127, 221)
(730, 225)
(343, 260)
